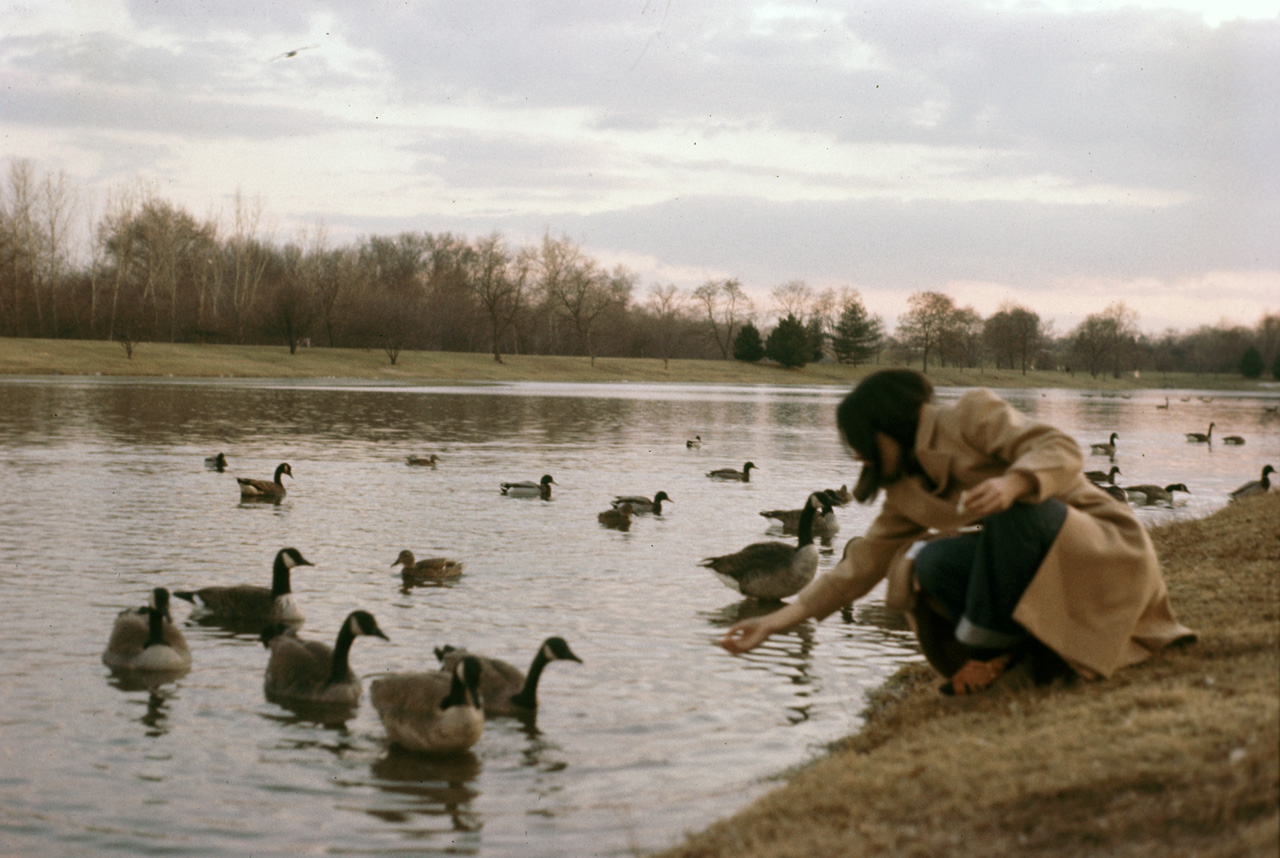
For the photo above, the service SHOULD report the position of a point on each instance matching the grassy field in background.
(180, 360)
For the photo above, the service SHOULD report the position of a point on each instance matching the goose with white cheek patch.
(146, 639)
(301, 671)
(434, 712)
(265, 489)
(506, 690)
(772, 571)
(249, 603)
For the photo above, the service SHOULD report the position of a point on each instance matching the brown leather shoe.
(976, 676)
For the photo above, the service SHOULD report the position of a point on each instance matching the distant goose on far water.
(529, 489)
(1164, 407)
(248, 603)
(640, 503)
(505, 689)
(217, 463)
(273, 489)
(743, 476)
(694, 443)
(301, 671)
(428, 569)
(1103, 476)
(1106, 448)
(773, 570)
(1235, 440)
(1255, 487)
(1146, 493)
(824, 523)
(146, 639)
(424, 461)
(432, 712)
(1199, 438)
(1114, 490)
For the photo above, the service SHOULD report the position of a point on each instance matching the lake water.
(104, 495)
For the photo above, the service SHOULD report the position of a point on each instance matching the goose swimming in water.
(435, 712)
(505, 689)
(217, 463)
(1201, 438)
(1103, 476)
(301, 671)
(1106, 448)
(1148, 494)
(694, 443)
(772, 570)
(424, 461)
(250, 604)
(824, 523)
(146, 639)
(264, 489)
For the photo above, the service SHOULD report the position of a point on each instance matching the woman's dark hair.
(888, 401)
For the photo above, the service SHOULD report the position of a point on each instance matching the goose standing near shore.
(264, 489)
(146, 639)
(301, 671)
(529, 489)
(743, 476)
(505, 689)
(771, 571)
(1255, 487)
(434, 712)
(1148, 494)
(250, 604)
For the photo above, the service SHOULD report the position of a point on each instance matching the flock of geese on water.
(440, 711)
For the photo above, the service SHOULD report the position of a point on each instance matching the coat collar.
(935, 462)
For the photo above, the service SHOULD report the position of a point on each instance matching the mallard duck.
(424, 461)
(694, 443)
(301, 671)
(507, 691)
(146, 639)
(1146, 493)
(1255, 487)
(640, 503)
(772, 570)
(1199, 438)
(1106, 448)
(247, 603)
(263, 488)
(743, 476)
(1103, 476)
(617, 517)
(435, 712)
(433, 568)
(824, 523)
(1235, 440)
(530, 489)
(217, 463)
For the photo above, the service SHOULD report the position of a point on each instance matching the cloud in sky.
(1062, 155)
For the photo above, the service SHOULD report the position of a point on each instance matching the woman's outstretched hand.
(996, 494)
(747, 634)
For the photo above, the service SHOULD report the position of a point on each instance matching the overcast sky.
(1062, 155)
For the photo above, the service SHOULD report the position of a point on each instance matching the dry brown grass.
(1178, 756)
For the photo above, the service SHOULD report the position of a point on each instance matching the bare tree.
(666, 303)
(248, 260)
(793, 298)
(498, 280)
(578, 287)
(924, 326)
(725, 307)
(1013, 335)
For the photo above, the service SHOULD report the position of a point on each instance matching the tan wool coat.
(1098, 599)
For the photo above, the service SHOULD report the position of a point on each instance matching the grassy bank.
(1176, 757)
(95, 357)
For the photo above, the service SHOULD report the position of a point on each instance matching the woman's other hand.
(997, 494)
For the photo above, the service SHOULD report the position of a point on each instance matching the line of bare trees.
(151, 271)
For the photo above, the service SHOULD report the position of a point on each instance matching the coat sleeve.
(991, 426)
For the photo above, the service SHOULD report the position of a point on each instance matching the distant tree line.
(154, 272)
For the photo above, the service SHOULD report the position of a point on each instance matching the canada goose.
(425, 461)
(1271, 409)
(434, 712)
(432, 568)
(248, 603)
(617, 517)
(1106, 448)
(1114, 490)
(772, 570)
(1255, 487)
(1234, 440)
(840, 496)
(1164, 407)
(262, 488)
(639, 503)
(694, 443)
(1103, 476)
(530, 489)
(1145, 494)
(1198, 438)
(301, 671)
(824, 523)
(217, 463)
(507, 691)
(743, 476)
(146, 639)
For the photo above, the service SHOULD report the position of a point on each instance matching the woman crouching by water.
(1058, 569)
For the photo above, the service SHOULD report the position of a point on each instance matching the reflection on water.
(103, 484)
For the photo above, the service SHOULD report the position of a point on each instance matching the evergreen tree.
(816, 339)
(858, 335)
(747, 345)
(1275, 367)
(789, 343)
(1251, 365)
